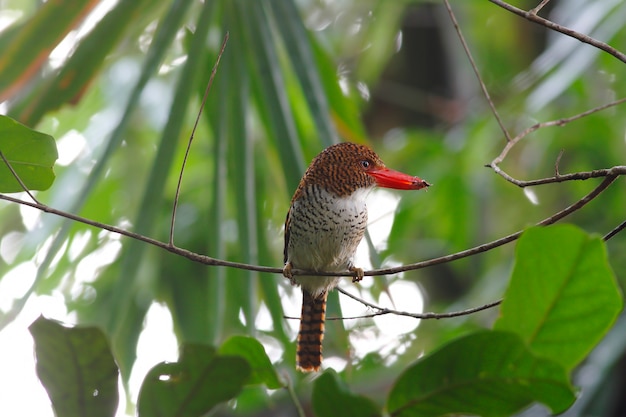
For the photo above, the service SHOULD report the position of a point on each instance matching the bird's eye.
(366, 164)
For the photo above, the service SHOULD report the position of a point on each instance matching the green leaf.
(300, 50)
(30, 153)
(77, 369)
(330, 395)
(249, 348)
(563, 296)
(486, 373)
(195, 384)
(273, 100)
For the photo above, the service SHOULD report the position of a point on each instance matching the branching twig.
(193, 132)
(538, 8)
(535, 18)
(206, 260)
(557, 172)
(426, 316)
(598, 173)
(558, 122)
(610, 176)
(422, 316)
(557, 176)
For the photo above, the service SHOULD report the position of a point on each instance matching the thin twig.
(421, 316)
(557, 122)
(557, 174)
(580, 176)
(193, 132)
(483, 87)
(615, 231)
(533, 17)
(206, 260)
(539, 7)
(17, 177)
(504, 240)
(426, 316)
(611, 175)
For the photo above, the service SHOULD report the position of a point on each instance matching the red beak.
(388, 178)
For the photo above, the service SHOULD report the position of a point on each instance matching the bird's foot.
(359, 273)
(287, 273)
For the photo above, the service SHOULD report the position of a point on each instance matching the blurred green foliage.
(295, 77)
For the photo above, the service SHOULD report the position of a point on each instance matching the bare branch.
(539, 7)
(206, 260)
(425, 316)
(506, 239)
(422, 316)
(610, 176)
(558, 122)
(533, 17)
(483, 87)
(615, 231)
(557, 174)
(193, 132)
(598, 173)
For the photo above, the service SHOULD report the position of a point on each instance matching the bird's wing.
(287, 227)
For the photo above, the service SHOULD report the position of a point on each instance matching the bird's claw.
(287, 273)
(359, 274)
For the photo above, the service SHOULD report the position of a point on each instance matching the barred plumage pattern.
(337, 169)
(309, 351)
(326, 221)
(325, 224)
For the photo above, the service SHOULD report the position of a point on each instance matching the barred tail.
(309, 352)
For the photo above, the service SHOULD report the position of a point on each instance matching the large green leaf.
(195, 384)
(330, 395)
(563, 296)
(487, 373)
(77, 369)
(31, 155)
(262, 370)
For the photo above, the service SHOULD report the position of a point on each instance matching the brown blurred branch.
(535, 18)
(558, 122)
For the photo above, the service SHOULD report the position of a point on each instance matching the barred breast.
(324, 232)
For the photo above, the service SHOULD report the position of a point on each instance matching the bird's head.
(347, 167)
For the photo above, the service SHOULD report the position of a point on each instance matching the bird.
(326, 221)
